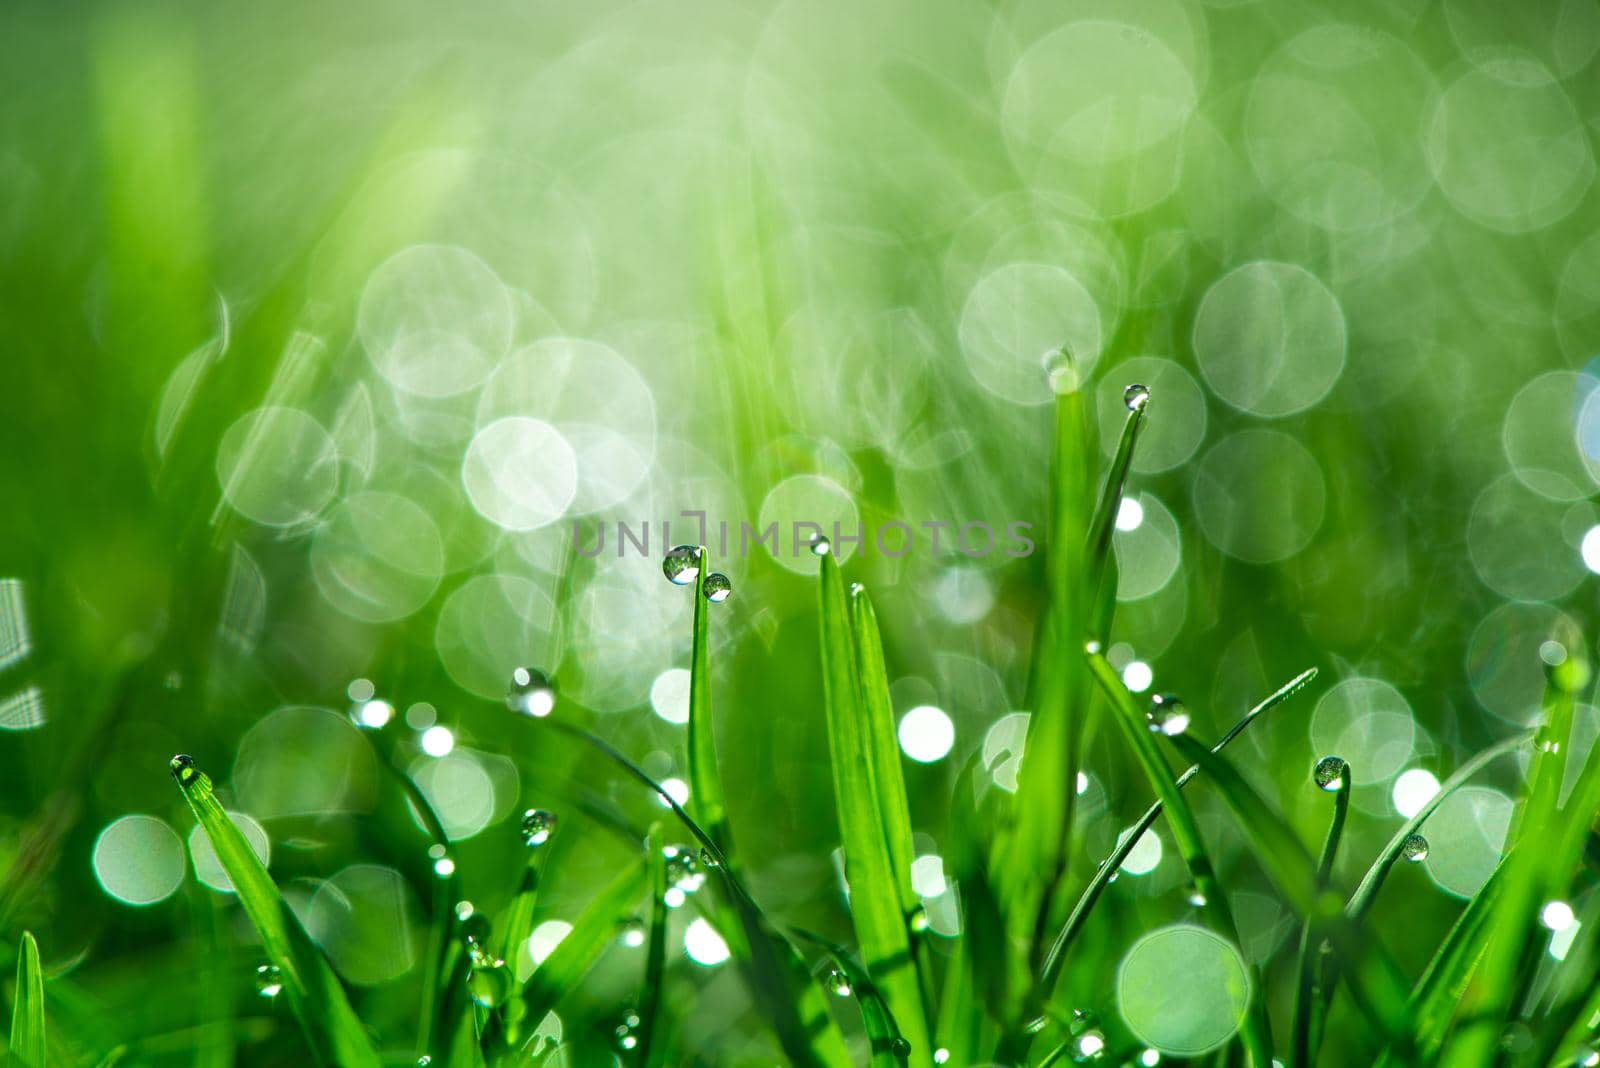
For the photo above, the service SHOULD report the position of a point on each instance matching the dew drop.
(718, 587)
(1089, 1046)
(1135, 397)
(626, 1032)
(537, 826)
(1197, 899)
(918, 920)
(443, 866)
(941, 1056)
(183, 769)
(838, 984)
(682, 565)
(531, 692)
(1414, 848)
(1329, 773)
(821, 546)
(632, 932)
(1061, 370)
(1092, 647)
(708, 858)
(683, 870)
(489, 982)
(474, 927)
(900, 1047)
(1168, 715)
(269, 981)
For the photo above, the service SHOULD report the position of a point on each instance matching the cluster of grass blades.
(994, 994)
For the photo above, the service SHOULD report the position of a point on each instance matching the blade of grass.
(651, 1050)
(1311, 973)
(1255, 1031)
(1102, 560)
(594, 930)
(874, 895)
(888, 1048)
(315, 996)
(884, 759)
(1375, 985)
(1108, 868)
(705, 783)
(27, 1011)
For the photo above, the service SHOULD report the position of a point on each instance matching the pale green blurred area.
(271, 274)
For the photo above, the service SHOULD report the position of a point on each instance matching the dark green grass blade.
(27, 1011)
(1533, 871)
(314, 994)
(1375, 984)
(1055, 959)
(875, 899)
(592, 933)
(652, 1049)
(1102, 561)
(1255, 1031)
(705, 782)
(1311, 972)
(796, 1005)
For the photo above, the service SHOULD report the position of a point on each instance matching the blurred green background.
(322, 324)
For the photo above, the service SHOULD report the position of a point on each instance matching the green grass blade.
(592, 933)
(1255, 1032)
(705, 782)
(27, 1012)
(652, 1051)
(1107, 870)
(1102, 561)
(1311, 972)
(875, 901)
(1375, 984)
(314, 994)
(888, 1049)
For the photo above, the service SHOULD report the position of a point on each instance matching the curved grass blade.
(27, 1012)
(888, 1048)
(591, 934)
(651, 1051)
(781, 979)
(1256, 1030)
(874, 894)
(1375, 984)
(1312, 972)
(314, 994)
(1054, 960)
(705, 783)
(1102, 561)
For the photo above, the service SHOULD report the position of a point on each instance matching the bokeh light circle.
(1183, 989)
(365, 919)
(1270, 338)
(208, 866)
(1465, 836)
(1259, 496)
(1541, 431)
(378, 558)
(1516, 543)
(1014, 321)
(520, 473)
(138, 860)
(492, 624)
(277, 466)
(809, 499)
(1148, 551)
(1368, 723)
(1177, 421)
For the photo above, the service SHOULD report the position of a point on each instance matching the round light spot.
(1148, 551)
(1183, 990)
(1369, 724)
(703, 944)
(434, 320)
(437, 741)
(378, 558)
(926, 734)
(365, 919)
(277, 466)
(1270, 338)
(963, 595)
(1002, 749)
(546, 937)
(1514, 539)
(458, 789)
(1145, 856)
(1176, 416)
(1015, 321)
(520, 473)
(676, 789)
(208, 867)
(375, 714)
(1465, 836)
(304, 761)
(814, 502)
(1508, 148)
(1259, 496)
(1566, 32)
(1541, 436)
(1503, 665)
(138, 860)
(669, 695)
(1413, 789)
(927, 875)
(1589, 549)
(1137, 676)
(1557, 915)
(1130, 513)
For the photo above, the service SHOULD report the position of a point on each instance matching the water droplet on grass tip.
(183, 769)
(531, 692)
(269, 981)
(821, 546)
(632, 932)
(537, 826)
(1135, 397)
(1414, 848)
(718, 587)
(1168, 714)
(488, 983)
(1330, 773)
(900, 1047)
(682, 565)
(838, 984)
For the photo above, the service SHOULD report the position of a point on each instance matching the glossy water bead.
(1330, 773)
(681, 565)
(1135, 397)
